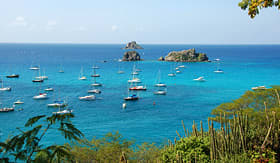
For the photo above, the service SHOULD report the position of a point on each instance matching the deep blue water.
(245, 66)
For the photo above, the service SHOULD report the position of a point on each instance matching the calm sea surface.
(244, 66)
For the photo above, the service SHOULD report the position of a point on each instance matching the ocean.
(153, 118)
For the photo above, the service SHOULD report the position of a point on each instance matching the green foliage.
(188, 149)
(254, 6)
(26, 145)
(147, 153)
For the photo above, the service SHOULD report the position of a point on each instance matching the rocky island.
(131, 56)
(185, 56)
(133, 45)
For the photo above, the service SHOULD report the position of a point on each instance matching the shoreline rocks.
(189, 55)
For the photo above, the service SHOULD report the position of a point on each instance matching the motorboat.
(200, 79)
(178, 72)
(58, 104)
(95, 75)
(158, 82)
(41, 96)
(13, 76)
(138, 88)
(96, 91)
(83, 78)
(131, 98)
(18, 102)
(259, 88)
(49, 89)
(181, 66)
(42, 77)
(87, 98)
(66, 111)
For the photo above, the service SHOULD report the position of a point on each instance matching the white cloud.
(114, 28)
(51, 25)
(20, 21)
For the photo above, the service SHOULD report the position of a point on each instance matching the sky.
(145, 21)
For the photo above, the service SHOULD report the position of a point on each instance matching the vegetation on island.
(244, 130)
(189, 55)
(254, 6)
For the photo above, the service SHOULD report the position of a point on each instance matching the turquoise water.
(245, 66)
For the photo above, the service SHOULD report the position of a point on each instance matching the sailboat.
(34, 67)
(49, 89)
(160, 91)
(44, 77)
(38, 78)
(66, 111)
(135, 87)
(6, 109)
(171, 74)
(95, 74)
(218, 70)
(134, 79)
(5, 88)
(96, 84)
(58, 103)
(158, 82)
(95, 67)
(82, 77)
(61, 69)
(131, 97)
(41, 96)
(94, 90)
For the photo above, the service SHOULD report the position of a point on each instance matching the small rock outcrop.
(161, 58)
(186, 56)
(133, 45)
(131, 56)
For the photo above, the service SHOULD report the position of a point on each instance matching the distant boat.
(120, 72)
(95, 67)
(66, 111)
(38, 78)
(34, 68)
(160, 92)
(259, 88)
(82, 77)
(58, 104)
(131, 98)
(13, 76)
(87, 98)
(182, 66)
(217, 59)
(135, 73)
(5, 88)
(172, 75)
(200, 79)
(18, 102)
(41, 96)
(49, 89)
(138, 88)
(6, 109)
(96, 91)
(44, 77)
(219, 71)
(178, 72)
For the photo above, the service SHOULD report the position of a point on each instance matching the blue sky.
(146, 21)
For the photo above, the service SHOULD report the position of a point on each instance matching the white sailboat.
(34, 67)
(171, 74)
(61, 69)
(95, 75)
(259, 88)
(49, 89)
(5, 88)
(41, 96)
(38, 78)
(82, 77)
(6, 109)
(160, 92)
(44, 77)
(158, 82)
(218, 70)
(58, 103)
(134, 79)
